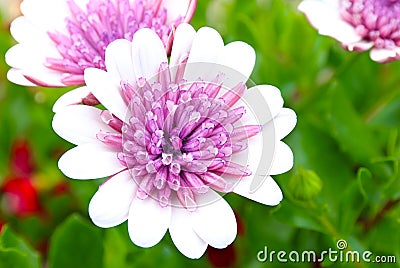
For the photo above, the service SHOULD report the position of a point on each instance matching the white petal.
(73, 96)
(37, 11)
(148, 53)
(15, 56)
(34, 67)
(283, 159)
(214, 220)
(265, 156)
(207, 46)
(18, 54)
(176, 8)
(82, 4)
(90, 161)
(240, 57)
(109, 206)
(384, 55)
(16, 76)
(79, 124)
(283, 123)
(183, 235)
(119, 60)
(268, 192)
(342, 31)
(325, 16)
(257, 157)
(204, 55)
(44, 77)
(106, 88)
(259, 153)
(148, 222)
(183, 39)
(265, 100)
(360, 46)
(24, 31)
(262, 103)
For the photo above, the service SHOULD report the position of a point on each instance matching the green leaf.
(76, 243)
(16, 252)
(386, 113)
(117, 245)
(299, 217)
(12, 258)
(384, 238)
(352, 134)
(351, 206)
(315, 150)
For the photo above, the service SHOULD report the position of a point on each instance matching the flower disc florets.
(180, 138)
(374, 20)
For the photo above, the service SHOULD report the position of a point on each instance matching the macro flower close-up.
(359, 25)
(174, 134)
(61, 38)
(201, 134)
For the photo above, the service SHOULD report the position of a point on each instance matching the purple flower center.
(90, 31)
(180, 138)
(375, 20)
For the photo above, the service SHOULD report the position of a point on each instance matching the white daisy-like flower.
(59, 39)
(359, 25)
(173, 134)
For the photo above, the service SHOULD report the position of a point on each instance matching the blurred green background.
(345, 183)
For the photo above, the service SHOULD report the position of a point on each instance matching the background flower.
(55, 47)
(25, 199)
(19, 193)
(359, 24)
(20, 197)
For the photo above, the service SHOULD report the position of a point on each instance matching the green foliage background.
(345, 183)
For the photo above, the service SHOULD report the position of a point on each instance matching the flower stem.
(390, 204)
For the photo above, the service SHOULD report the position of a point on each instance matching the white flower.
(173, 133)
(58, 39)
(359, 25)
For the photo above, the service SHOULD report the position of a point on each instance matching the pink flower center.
(180, 138)
(375, 20)
(88, 32)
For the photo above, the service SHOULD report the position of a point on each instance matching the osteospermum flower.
(359, 25)
(59, 39)
(174, 134)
